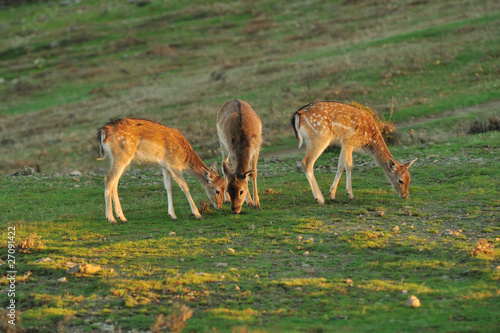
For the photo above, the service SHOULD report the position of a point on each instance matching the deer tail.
(101, 136)
(295, 120)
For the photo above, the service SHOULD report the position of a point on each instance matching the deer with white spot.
(320, 124)
(144, 141)
(239, 129)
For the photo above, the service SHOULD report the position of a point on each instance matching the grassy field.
(295, 266)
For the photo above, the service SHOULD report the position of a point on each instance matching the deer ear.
(249, 175)
(408, 164)
(206, 174)
(391, 164)
(214, 170)
(226, 169)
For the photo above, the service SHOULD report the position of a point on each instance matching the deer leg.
(107, 199)
(338, 175)
(254, 181)
(225, 158)
(167, 179)
(314, 150)
(111, 193)
(179, 179)
(347, 157)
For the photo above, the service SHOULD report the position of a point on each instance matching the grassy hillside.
(67, 69)
(432, 67)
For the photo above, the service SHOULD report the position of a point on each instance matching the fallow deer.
(320, 124)
(239, 129)
(144, 141)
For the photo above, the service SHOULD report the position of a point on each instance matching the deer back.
(145, 141)
(239, 129)
(337, 122)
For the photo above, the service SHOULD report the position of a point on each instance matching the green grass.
(431, 67)
(146, 271)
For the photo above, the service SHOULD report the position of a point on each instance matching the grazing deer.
(239, 130)
(144, 141)
(320, 124)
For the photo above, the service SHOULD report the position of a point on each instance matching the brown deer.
(320, 124)
(144, 141)
(239, 129)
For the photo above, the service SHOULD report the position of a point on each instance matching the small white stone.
(412, 302)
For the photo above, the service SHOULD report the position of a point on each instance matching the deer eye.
(241, 192)
(400, 181)
(217, 192)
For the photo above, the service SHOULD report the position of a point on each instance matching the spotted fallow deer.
(320, 124)
(144, 141)
(239, 129)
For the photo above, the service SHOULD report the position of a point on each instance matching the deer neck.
(380, 152)
(243, 159)
(195, 166)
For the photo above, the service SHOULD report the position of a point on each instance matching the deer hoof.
(320, 201)
(199, 217)
(174, 218)
(112, 222)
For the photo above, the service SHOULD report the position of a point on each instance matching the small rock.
(237, 288)
(220, 264)
(349, 282)
(412, 302)
(230, 250)
(251, 227)
(256, 276)
(43, 260)
(396, 228)
(85, 269)
(172, 233)
(298, 289)
(74, 269)
(75, 173)
(181, 259)
(62, 280)
(299, 238)
(299, 167)
(341, 317)
(306, 253)
(26, 171)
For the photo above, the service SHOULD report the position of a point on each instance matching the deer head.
(237, 187)
(214, 186)
(399, 176)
